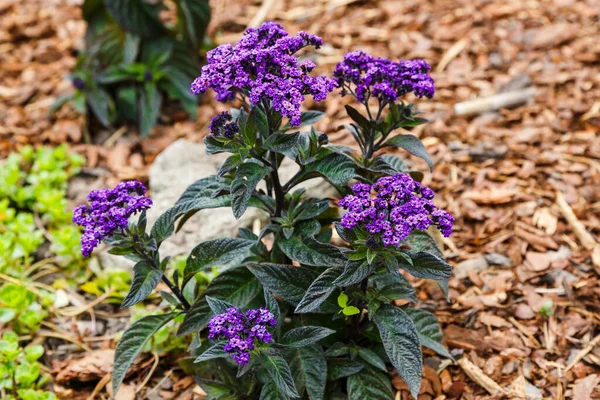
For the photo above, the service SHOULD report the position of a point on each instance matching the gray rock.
(498, 259)
(474, 264)
(184, 162)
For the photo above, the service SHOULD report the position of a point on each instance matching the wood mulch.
(523, 182)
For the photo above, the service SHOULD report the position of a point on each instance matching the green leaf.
(132, 342)
(281, 142)
(309, 369)
(309, 251)
(279, 371)
(215, 351)
(149, 107)
(429, 330)
(214, 253)
(370, 357)
(286, 281)
(236, 286)
(306, 118)
(354, 272)
(198, 196)
(338, 349)
(399, 290)
(369, 384)
(195, 16)
(413, 145)
(272, 305)
(401, 342)
(427, 266)
(395, 162)
(145, 280)
(246, 178)
(196, 317)
(59, 102)
(318, 291)
(342, 300)
(305, 335)
(341, 368)
(140, 17)
(349, 311)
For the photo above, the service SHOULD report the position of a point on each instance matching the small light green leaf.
(348, 311)
(343, 300)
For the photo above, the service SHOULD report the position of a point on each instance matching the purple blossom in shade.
(223, 125)
(242, 331)
(109, 211)
(262, 67)
(366, 76)
(400, 206)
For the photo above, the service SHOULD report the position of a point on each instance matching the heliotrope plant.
(303, 318)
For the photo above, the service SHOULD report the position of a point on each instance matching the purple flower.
(223, 125)
(400, 206)
(109, 211)
(365, 76)
(241, 331)
(263, 68)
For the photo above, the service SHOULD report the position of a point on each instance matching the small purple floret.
(262, 67)
(241, 331)
(366, 76)
(400, 206)
(109, 210)
(223, 125)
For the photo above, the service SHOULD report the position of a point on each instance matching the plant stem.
(174, 289)
(277, 189)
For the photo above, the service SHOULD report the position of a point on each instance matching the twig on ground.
(496, 102)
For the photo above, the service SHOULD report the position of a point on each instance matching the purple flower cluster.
(223, 125)
(262, 66)
(241, 330)
(108, 211)
(400, 206)
(381, 78)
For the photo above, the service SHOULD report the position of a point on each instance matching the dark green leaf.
(196, 317)
(395, 162)
(140, 17)
(370, 357)
(305, 335)
(413, 145)
(319, 291)
(145, 280)
(401, 342)
(217, 306)
(338, 349)
(149, 107)
(246, 178)
(272, 305)
(335, 168)
(236, 286)
(422, 241)
(354, 272)
(311, 208)
(342, 368)
(281, 142)
(307, 118)
(195, 15)
(197, 196)
(279, 371)
(363, 122)
(102, 106)
(269, 391)
(309, 369)
(215, 351)
(286, 281)
(429, 330)
(369, 384)
(214, 253)
(309, 251)
(132, 342)
(427, 266)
